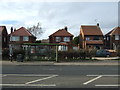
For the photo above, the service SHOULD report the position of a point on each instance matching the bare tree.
(36, 30)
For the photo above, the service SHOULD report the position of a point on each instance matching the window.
(116, 37)
(96, 38)
(58, 39)
(66, 39)
(25, 38)
(14, 38)
(107, 38)
(87, 38)
(63, 48)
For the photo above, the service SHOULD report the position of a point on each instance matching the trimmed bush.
(74, 55)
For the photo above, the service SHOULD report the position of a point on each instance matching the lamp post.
(56, 53)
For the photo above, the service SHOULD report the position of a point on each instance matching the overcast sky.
(56, 15)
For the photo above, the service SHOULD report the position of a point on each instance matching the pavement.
(99, 61)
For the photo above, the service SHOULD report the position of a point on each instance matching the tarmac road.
(60, 76)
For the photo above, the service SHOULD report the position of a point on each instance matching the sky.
(56, 15)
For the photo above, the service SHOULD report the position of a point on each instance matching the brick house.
(91, 36)
(20, 36)
(63, 37)
(112, 38)
(3, 37)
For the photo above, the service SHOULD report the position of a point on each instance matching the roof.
(63, 43)
(115, 31)
(21, 32)
(91, 30)
(1, 29)
(94, 42)
(62, 32)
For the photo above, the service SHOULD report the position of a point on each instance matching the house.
(91, 36)
(3, 37)
(112, 38)
(62, 37)
(20, 36)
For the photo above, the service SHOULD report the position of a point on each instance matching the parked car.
(102, 53)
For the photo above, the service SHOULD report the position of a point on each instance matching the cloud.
(56, 15)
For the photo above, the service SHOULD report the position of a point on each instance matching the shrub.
(80, 54)
(118, 51)
(5, 53)
(90, 53)
(18, 51)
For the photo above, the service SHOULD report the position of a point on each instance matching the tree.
(36, 30)
(76, 40)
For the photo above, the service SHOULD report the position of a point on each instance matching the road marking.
(1, 75)
(4, 75)
(92, 80)
(31, 85)
(41, 79)
(31, 75)
(104, 75)
(107, 85)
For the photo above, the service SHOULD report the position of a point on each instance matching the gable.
(91, 30)
(62, 32)
(115, 31)
(21, 32)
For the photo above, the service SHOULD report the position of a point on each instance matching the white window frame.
(63, 48)
(57, 39)
(25, 38)
(66, 39)
(116, 37)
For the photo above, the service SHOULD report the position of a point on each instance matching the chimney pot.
(97, 24)
(15, 29)
(66, 28)
(11, 29)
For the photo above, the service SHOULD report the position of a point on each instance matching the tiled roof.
(21, 32)
(115, 31)
(94, 42)
(61, 32)
(63, 43)
(91, 30)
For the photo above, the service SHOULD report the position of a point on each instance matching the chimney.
(66, 28)
(98, 24)
(11, 29)
(15, 29)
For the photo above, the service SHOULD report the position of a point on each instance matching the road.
(50, 76)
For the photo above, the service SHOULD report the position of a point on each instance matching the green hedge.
(81, 54)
